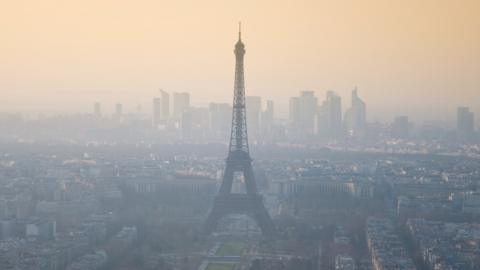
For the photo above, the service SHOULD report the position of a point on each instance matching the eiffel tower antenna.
(239, 30)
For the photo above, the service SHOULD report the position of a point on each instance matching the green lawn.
(220, 266)
(231, 249)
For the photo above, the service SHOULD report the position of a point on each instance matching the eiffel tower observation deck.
(238, 160)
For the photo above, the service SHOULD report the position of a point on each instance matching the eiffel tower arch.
(238, 160)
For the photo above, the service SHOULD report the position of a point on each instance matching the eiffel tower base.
(251, 205)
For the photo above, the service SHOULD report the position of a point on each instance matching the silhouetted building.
(181, 102)
(294, 112)
(220, 118)
(165, 107)
(323, 120)
(193, 123)
(355, 117)
(97, 110)
(254, 108)
(156, 112)
(267, 117)
(308, 109)
(187, 124)
(40, 230)
(329, 116)
(344, 262)
(302, 113)
(400, 127)
(335, 112)
(465, 121)
(118, 110)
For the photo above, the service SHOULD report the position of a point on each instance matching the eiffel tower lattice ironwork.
(238, 160)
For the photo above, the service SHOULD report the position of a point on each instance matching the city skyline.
(168, 172)
(258, 103)
(429, 57)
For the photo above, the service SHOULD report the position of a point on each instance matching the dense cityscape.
(132, 190)
(239, 186)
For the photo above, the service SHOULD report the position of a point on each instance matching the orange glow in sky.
(420, 58)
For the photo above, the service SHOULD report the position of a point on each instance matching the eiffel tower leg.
(211, 223)
(250, 184)
(227, 182)
(261, 216)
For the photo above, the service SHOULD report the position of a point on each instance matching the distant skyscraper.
(400, 127)
(329, 116)
(118, 110)
(465, 121)
(165, 107)
(181, 102)
(156, 112)
(220, 118)
(308, 109)
(335, 113)
(97, 110)
(267, 118)
(355, 117)
(294, 112)
(253, 108)
(323, 120)
(187, 124)
(194, 122)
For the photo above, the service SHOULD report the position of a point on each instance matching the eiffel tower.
(238, 160)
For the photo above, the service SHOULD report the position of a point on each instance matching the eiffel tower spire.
(238, 135)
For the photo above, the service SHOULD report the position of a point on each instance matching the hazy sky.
(413, 57)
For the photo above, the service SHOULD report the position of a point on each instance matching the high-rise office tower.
(302, 113)
(187, 123)
(401, 127)
(294, 112)
(254, 108)
(329, 116)
(355, 117)
(118, 110)
(156, 116)
(323, 120)
(97, 110)
(334, 102)
(359, 104)
(165, 107)
(193, 123)
(308, 109)
(181, 102)
(266, 122)
(220, 117)
(465, 121)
